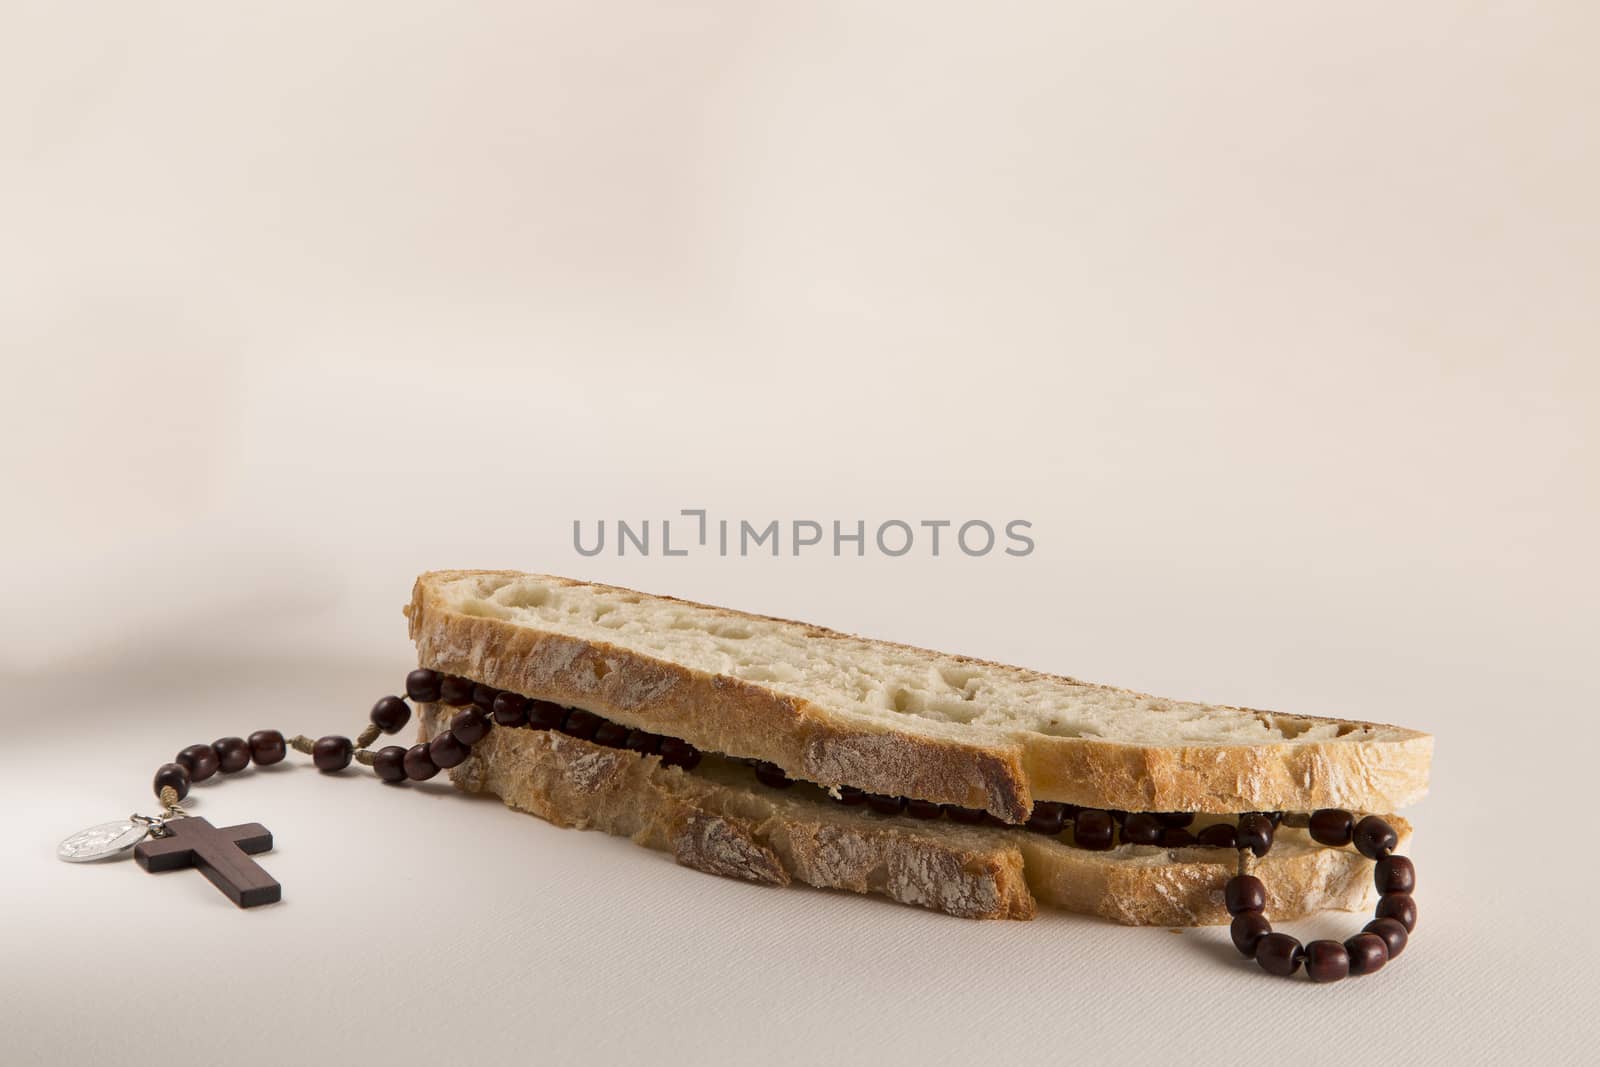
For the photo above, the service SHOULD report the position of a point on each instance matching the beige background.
(1278, 321)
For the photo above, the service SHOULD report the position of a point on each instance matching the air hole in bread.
(523, 595)
(960, 679)
(601, 668)
(485, 609)
(731, 633)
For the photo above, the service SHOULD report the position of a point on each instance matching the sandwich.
(778, 752)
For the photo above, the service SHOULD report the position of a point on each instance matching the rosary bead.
(510, 709)
(1218, 835)
(885, 805)
(1374, 839)
(610, 734)
(545, 715)
(1400, 907)
(1179, 819)
(331, 753)
(1141, 828)
(483, 696)
(199, 760)
(446, 751)
(1327, 961)
(1392, 932)
(1092, 830)
(422, 685)
(455, 690)
(770, 774)
(922, 809)
(1368, 953)
(678, 753)
(419, 763)
(641, 741)
(1395, 874)
(580, 723)
(1176, 837)
(233, 754)
(1046, 818)
(470, 726)
(1331, 826)
(1248, 928)
(1244, 892)
(1255, 833)
(957, 813)
(391, 715)
(1279, 954)
(172, 775)
(389, 763)
(267, 747)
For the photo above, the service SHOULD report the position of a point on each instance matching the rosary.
(175, 839)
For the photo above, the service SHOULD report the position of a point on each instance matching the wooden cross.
(220, 855)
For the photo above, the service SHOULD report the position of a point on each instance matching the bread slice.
(834, 709)
(718, 819)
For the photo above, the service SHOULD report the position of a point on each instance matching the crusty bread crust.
(1003, 774)
(719, 820)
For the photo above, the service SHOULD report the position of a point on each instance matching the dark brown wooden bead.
(511, 709)
(332, 753)
(1175, 837)
(1255, 833)
(422, 685)
(611, 734)
(1368, 953)
(1141, 828)
(1244, 892)
(642, 741)
(233, 754)
(1178, 819)
(922, 809)
(545, 715)
(173, 775)
(1327, 961)
(581, 724)
(389, 763)
(1393, 934)
(770, 774)
(1218, 835)
(446, 751)
(470, 725)
(199, 760)
(1395, 874)
(885, 805)
(969, 816)
(1400, 907)
(390, 714)
(267, 747)
(1047, 818)
(1331, 826)
(679, 753)
(1248, 928)
(419, 763)
(1279, 954)
(455, 690)
(483, 696)
(1092, 830)
(1375, 839)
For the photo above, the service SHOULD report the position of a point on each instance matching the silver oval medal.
(109, 840)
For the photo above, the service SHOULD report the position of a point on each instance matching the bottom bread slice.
(717, 819)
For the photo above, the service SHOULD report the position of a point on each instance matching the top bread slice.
(835, 709)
